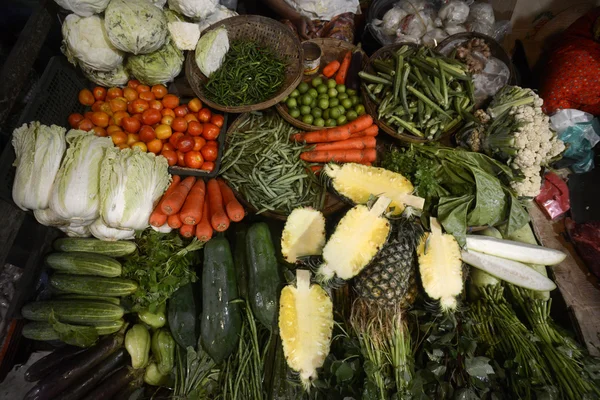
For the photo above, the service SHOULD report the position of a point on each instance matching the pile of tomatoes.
(153, 120)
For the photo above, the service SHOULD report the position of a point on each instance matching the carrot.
(356, 156)
(316, 169)
(338, 133)
(203, 230)
(191, 212)
(331, 68)
(218, 217)
(172, 203)
(158, 218)
(340, 78)
(187, 231)
(234, 209)
(359, 143)
(174, 221)
(373, 130)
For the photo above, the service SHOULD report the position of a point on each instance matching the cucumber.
(111, 300)
(264, 279)
(240, 260)
(221, 319)
(477, 277)
(84, 264)
(93, 285)
(87, 245)
(37, 330)
(183, 316)
(77, 312)
(516, 251)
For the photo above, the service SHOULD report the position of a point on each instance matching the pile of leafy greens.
(463, 188)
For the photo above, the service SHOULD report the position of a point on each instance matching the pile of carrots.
(353, 142)
(197, 208)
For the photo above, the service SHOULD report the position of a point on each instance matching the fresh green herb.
(76, 335)
(195, 375)
(163, 263)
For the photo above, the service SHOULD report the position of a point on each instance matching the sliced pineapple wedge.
(359, 182)
(357, 239)
(303, 234)
(440, 266)
(305, 326)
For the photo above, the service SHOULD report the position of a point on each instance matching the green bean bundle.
(250, 74)
(264, 166)
(420, 92)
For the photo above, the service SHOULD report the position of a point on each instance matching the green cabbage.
(211, 50)
(116, 77)
(159, 67)
(135, 26)
(131, 182)
(39, 149)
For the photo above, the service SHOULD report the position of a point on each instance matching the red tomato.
(86, 97)
(74, 119)
(118, 105)
(190, 117)
(142, 88)
(147, 134)
(193, 159)
(156, 104)
(155, 146)
(194, 128)
(180, 159)
(159, 91)
(181, 111)
(97, 104)
(114, 128)
(170, 155)
(179, 124)
(204, 115)
(99, 131)
(138, 106)
(131, 124)
(217, 120)
(174, 138)
(170, 101)
(209, 153)
(133, 83)
(210, 131)
(199, 143)
(207, 166)
(151, 116)
(99, 93)
(130, 94)
(113, 93)
(118, 117)
(167, 120)
(100, 119)
(167, 111)
(86, 125)
(148, 96)
(138, 117)
(168, 146)
(185, 143)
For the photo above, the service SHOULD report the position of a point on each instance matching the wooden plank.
(579, 288)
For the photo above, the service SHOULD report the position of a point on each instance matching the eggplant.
(134, 389)
(95, 376)
(47, 364)
(74, 368)
(352, 79)
(115, 383)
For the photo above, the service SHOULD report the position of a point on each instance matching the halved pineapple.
(303, 234)
(305, 326)
(359, 182)
(358, 237)
(440, 266)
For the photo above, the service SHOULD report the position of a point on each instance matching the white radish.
(516, 251)
(510, 271)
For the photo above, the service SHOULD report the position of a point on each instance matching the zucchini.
(182, 316)
(87, 245)
(264, 279)
(240, 260)
(93, 285)
(221, 320)
(111, 300)
(37, 330)
(516, 251)
(84, 264)
(77, 312)
(46, 364)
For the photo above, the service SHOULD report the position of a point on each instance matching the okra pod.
(373, 78)
(397, 76)
(407, 125)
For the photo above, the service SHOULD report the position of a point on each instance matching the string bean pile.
(419, 92)
(264, 166)
(250, 74)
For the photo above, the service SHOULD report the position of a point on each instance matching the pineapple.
(303, 235)
(358, 237)
(305, 326)
(440, 266)
(359, 182)
(390, 280)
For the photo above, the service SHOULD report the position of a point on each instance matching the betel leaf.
(517, 216)
(452, 214)
(479, 367)
(490, 202)
(76, 335)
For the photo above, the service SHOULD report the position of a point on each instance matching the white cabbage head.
(211, 50)
(195, 9)
(162, 66)
(116, 77)
(84, 8)
(99, 230)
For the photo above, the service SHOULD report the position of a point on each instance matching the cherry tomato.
(140, 145)
(147, 134)
(86, 97)
(199, 143)
(159, 91)
(156, 104)
(97, 104)
(180, 159)
(131, 124)
(179, 124)
(85, 125)
(170, 101)
(139, 106)
(185, 143)
(148, 96)
(118, 117)
(151, 116)
(99, 93)
(190, 117)
(130, 94)
(132, 138)
(167, 111)
(209, 152)
(208, 166)
(113, 93)
(167, 120)
(99, 131)
(194, 128)
(133, 83)
(181, 111)
(163, 132)
(170, 155)
(117, 105)
(217, 120)
(119, 138)
(155, 146)
(100, 119)
(142, 88)
(168, 146)
(174, 138)
(204, 115)
(193, 159)
(195, 105)
(74, 119)
(210, 131)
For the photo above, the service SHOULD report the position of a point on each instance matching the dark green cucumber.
(264, 278)
(221, 319)
(93, 285)
(111, 300)
(112, 249)
(84, 264)
(240, 260)
(46, 364)
(78, 312)
(183, 316)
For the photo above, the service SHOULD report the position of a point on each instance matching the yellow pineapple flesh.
(303, 234)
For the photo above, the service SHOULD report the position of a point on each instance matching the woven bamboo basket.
(333, 203)
(266, 32)
(333, 49)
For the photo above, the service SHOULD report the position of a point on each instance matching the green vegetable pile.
(250, 74)
(419, 92)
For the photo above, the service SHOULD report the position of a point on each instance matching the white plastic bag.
(454, 12)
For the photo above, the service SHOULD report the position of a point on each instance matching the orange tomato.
(210, 131)
(119, 138)
(190, 117)
(123, 146)
(112, 129)
(167, 145)
(167, 120)
(193, 159)
(130, 94)
(100, 119)
(133, 83)
(167, 111)
(163, 132)
(113, 93)
(148, 96)
(170, 155)
(86, 97)
(151, 116)
(118, 105)
(209, 153)
(147, 134)
(139, 106)
(159, 91)
(207, 166)
(180, 159)
(140, 145)
(99, 93)
(142, 88)
(204, 115)
(85, 125)
(105, 107)
(170, 101)
(155, 146)
(195, 105)
(156, 104)
(194, 128)
(74, 119)
(174, 138)
(88, 114)
(132, 138)
(199, 143)
(217, 120)
(99, 131)
(179, 124)
(97, 104)
(118, 117)
(131, 125)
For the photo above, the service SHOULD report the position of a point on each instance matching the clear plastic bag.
(493, 77)
(454, 12)
(579, 131)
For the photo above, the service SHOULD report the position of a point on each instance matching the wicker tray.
(267, 32)
(333, 49)
(333, 203)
